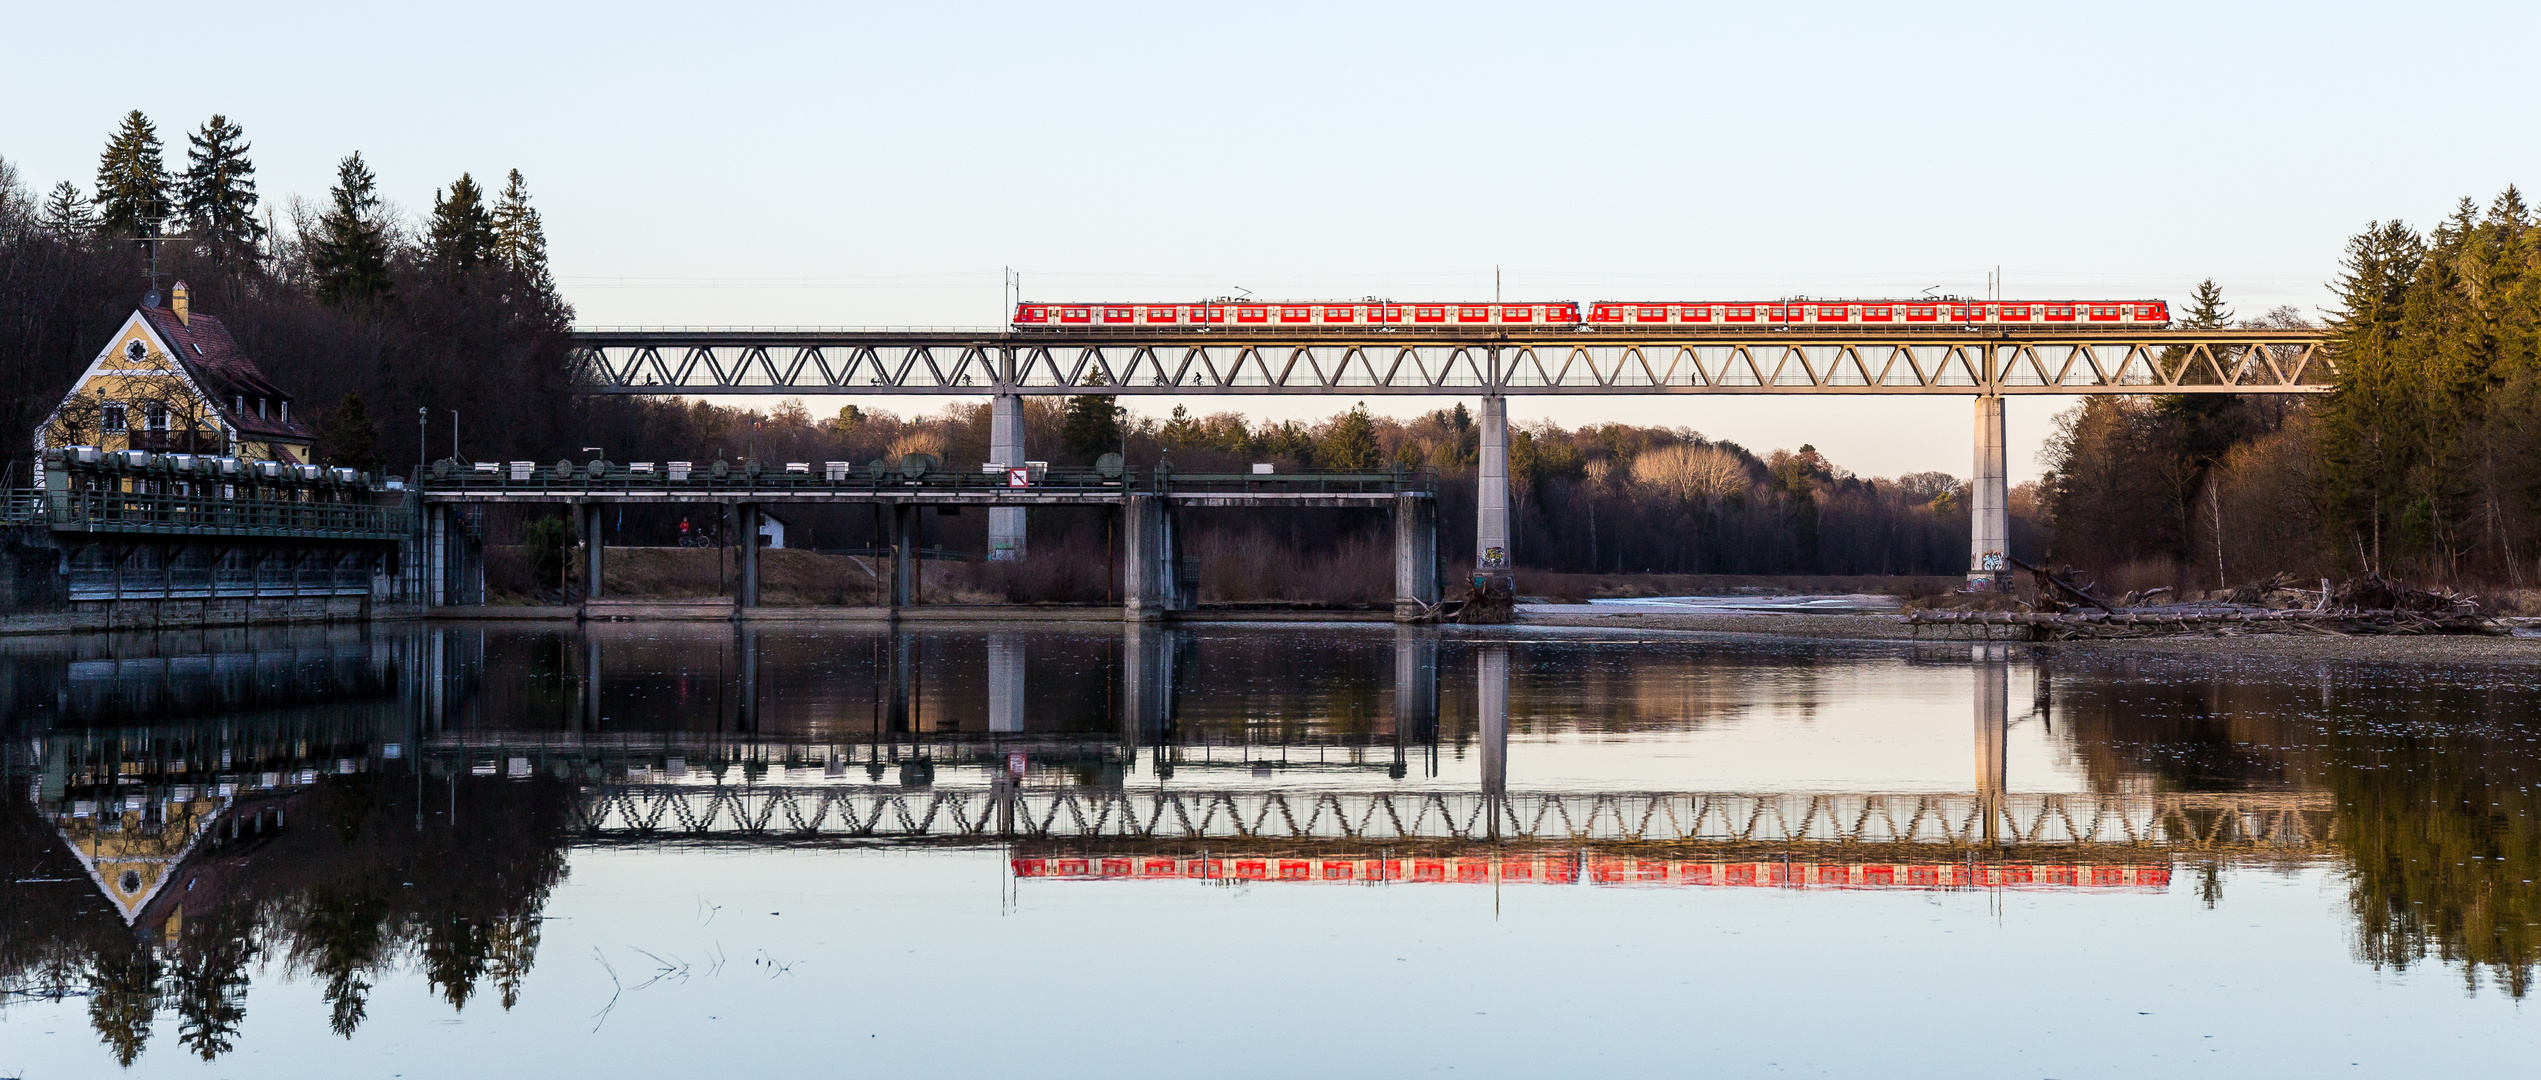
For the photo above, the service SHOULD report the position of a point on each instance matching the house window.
(136, 352)
(111, 418)
(157, 415)
(286, 410)
(260, 408)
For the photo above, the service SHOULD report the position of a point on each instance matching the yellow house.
(173, 380)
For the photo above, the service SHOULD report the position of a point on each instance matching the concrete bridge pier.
(1005, 448)
(745, 527)
(905, 529)
(1989, 540)
(746, 648)
(589, 520)
(1415, 556)
(1491, 552)
(1151, 560)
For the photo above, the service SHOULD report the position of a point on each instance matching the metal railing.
(163, 513)
(709, 481)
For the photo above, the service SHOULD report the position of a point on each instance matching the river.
(1251, 850)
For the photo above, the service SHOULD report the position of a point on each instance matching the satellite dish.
(1109, 465)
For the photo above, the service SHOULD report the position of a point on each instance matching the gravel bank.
(2440, 649)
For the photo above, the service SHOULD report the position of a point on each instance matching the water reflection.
(189, 811)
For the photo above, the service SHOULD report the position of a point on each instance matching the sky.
(866, 165)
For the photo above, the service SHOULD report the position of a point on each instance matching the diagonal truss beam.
(676, 361)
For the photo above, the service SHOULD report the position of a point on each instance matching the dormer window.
(241, 408)
(286, 410)
(260, 408)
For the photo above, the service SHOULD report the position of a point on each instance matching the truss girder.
(847, 362)
(2165, 821)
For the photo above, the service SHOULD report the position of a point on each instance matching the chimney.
(176, 300)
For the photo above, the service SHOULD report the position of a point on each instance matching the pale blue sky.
(856, 164)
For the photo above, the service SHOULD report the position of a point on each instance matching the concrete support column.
(903, 681)
(436, 561)
(1005, 683)
(1005, 447)
(1415, 555)
(1149, 559)
(1989, 538)
(745, 520)
(1491, 553)
(1993, 696)
(904, 554)
(591, 514)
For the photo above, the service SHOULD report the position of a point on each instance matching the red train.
(1617, 314)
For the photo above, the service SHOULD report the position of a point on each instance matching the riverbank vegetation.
(2424, 464)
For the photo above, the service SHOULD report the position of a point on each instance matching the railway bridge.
(1986, 365)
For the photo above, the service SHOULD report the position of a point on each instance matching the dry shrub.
(1243, 567)
(1691, 472)
(1077, 571)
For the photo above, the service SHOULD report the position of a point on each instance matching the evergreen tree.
(349, 256)
(1350, 445)
(2371, 432)
(1090, 426)
(67, 214)
(461, 239)
(520, 240)
(218, 194)
(2206, 310)
(346, 436)
(132, 180)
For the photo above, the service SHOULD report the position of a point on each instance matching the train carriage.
(1878, 314)
(1294, 315)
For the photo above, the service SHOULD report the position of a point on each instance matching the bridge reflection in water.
(369, 799)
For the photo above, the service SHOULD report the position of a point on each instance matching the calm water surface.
(1251, 851)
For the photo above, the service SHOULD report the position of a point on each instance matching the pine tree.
(349, 256)
(520, 240)
(2371, 431)
(132, 180)
(218, 194)
(67, 214)
(2206, 310)
(461, 239)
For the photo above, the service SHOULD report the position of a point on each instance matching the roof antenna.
(1243, 292)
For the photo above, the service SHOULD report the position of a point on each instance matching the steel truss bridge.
(848, 361)
(2288, 822)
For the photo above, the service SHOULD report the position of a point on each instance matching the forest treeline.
(2423, 463)
(1609, 498)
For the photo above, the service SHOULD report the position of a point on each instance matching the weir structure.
(1156, 578)
(1005, 365)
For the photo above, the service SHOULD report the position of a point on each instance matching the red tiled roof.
(224, 371)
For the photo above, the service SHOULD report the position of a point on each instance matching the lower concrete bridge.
(1157, 575)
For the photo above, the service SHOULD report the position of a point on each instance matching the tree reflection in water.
(364, 891)
(2443, 852)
